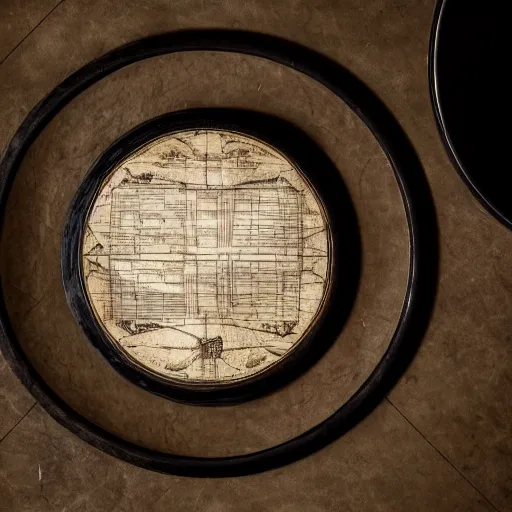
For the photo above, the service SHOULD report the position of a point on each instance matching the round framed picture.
(202, 254)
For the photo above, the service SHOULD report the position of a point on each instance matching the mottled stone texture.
(457, 391)
(383, 465)
(18, 18)
(15, 401)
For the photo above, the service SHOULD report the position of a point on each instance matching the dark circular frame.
(343, 272)
(420, 215)
(481, 185)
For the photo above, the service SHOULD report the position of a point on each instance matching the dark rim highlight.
(495, 210)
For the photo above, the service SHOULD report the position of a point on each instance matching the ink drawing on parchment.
(206, 256)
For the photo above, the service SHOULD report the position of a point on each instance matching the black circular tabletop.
(468, 70)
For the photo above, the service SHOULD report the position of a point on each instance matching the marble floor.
(442, 439)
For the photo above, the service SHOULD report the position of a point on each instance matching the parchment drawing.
(205, 256)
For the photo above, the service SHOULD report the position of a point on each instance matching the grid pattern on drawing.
(229, 289)
(149, 291)
(147, 220)
(257, 218)
(162, 220)
(265, 290)
(180, 253)
(269, 218)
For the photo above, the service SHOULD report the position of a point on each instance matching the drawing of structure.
(206, 256)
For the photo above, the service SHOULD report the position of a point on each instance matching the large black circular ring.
(343, 271)
(419, 211)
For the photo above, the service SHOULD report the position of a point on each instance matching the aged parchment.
(205, 256)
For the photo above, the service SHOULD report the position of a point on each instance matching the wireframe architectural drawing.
(206, 256)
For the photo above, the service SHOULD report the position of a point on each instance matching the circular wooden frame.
(343, 273)
(420, 215)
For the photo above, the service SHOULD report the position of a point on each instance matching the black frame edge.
(421, 221)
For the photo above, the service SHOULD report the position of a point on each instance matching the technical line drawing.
(205, 256)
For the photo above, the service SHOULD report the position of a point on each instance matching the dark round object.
(342, 277)
(468, 75)
(421, 221)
